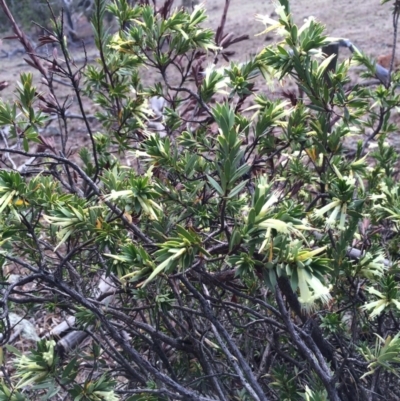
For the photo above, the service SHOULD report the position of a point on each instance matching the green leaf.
(215, 185)
(25, 144)
(235, 191)
(13, 350)
(186, 234)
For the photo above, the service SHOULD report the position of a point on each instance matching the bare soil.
(366, 23)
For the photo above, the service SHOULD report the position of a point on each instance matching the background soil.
(366, 23)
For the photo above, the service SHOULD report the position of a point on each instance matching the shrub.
(243, 252)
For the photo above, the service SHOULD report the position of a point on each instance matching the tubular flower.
(339, 208)
(381, 304)
(281, 227)
(106, 395)
(311, 289)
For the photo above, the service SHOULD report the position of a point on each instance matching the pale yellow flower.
(311, 289)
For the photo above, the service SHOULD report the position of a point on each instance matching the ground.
(366, 23)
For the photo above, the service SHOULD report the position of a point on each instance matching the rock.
(385, 59)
